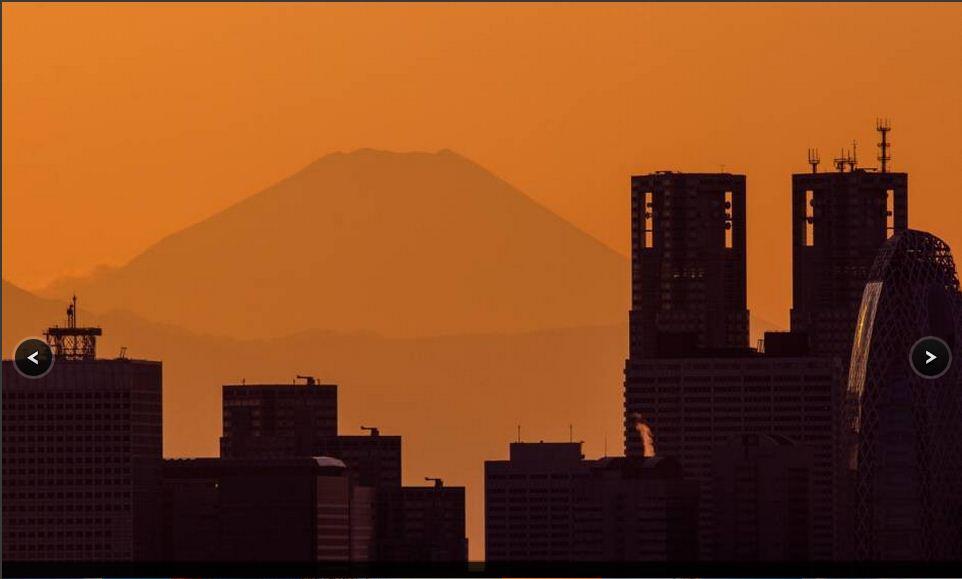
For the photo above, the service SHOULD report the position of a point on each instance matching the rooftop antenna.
(372, 429)
(841, 160)
(519, 433)
(571, 433)
(606, 445)
(853, 158)
(438, 483)
(123, 353)
(73, 342)
(308, 380)
(813, 159)
(883, 127)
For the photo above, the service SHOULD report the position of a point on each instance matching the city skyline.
(782, 341)
(643, 229)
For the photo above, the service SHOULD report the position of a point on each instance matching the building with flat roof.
(277, 420)
(422, 524)
(81, 455)
(691, 406)
(687, 263)
(265, 509)
(547, 503)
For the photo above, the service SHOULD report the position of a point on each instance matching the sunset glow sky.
(125, 123)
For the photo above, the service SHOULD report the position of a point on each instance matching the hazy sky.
(122, 124)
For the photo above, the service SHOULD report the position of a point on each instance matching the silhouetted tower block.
(762, 499)
(688, 263)
(82, 450)
(296, 509)
(693, 404)
(277, 420)
(547, 503)
(839, 221)
(422, 524)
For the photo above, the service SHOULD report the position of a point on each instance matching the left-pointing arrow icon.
(33, 358)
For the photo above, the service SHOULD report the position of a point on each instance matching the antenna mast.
(841, 160)
(73, 342)
(813, 159)
(883, 127)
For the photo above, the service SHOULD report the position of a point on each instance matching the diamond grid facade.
(904, 438)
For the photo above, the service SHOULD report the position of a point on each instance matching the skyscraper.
(692, 406)
(687, 263)
(82, 449)
(691, 381)
(547, 503)
(905, 431)
(839, 221)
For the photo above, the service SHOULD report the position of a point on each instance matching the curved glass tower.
(904, 446)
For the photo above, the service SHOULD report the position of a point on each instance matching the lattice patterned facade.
(904, 447)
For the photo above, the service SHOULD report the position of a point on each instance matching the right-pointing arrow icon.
(930, 357)
(33, 358)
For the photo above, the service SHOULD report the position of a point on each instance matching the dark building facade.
(411, 523)
(762, 499)
(376, 459)
(687, 263)
(422, 524)
(276, 420)
(547, 503)
(904, 433)
(839, 222)
(81, 458)
(692, 406)
(267, 509)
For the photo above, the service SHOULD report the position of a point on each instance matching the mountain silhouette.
(456, 400)
(402, 244)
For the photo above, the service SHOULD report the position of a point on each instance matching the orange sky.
(124, 123)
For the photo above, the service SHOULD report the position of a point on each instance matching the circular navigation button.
(33, 358)
(930, 357)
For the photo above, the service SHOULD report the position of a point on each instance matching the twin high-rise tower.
(691, 377)
(688, 263)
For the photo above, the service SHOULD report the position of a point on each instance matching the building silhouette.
(839, 222)
(422, 524)
(81, 455)
(547, 503)
(300, 420)
(275, 420)
(904, 444)
(691, 381)
(265, 509)
(375, 458)
(763, 499)
(687, 263)
(694, 405)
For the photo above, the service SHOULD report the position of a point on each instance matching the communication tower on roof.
(73, 342)
(883, 127)
(813, 159)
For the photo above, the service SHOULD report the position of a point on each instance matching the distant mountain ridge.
(403, 244)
